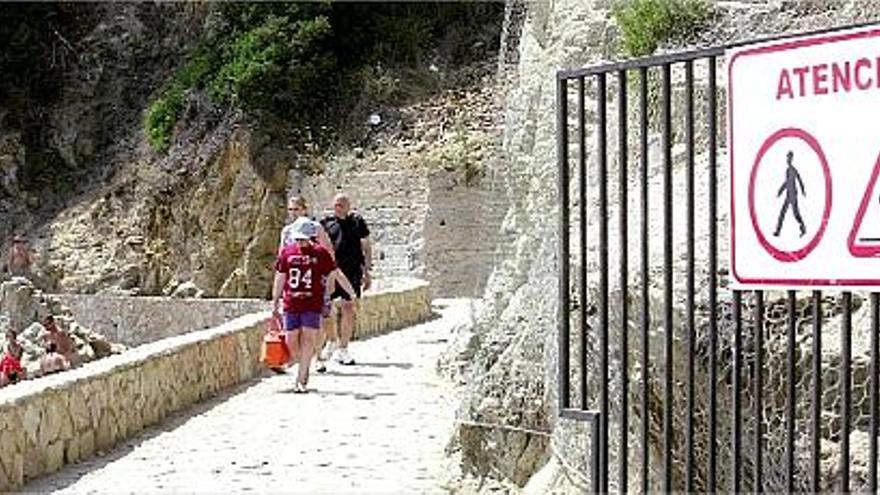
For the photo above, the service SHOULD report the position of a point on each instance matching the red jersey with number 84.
(305, 269)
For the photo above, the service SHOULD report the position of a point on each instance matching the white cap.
(304, 229)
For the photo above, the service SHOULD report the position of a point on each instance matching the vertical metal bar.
(562, 181)
(737, 365)
(582, 209)
(817, 389)
(667, 272)
(624, 272)
(875, 391)
(594, 465)
(789, 413)
(645, 321)
(603, 274)
(691, 321)
(759, 391)
(846, 391)
(713, 272)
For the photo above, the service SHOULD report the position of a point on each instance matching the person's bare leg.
(328, 336)
(320, 340)
(329, 323)
(328, 326)
(323, 348)
(307, 346)
(292, 337)
(347, 324)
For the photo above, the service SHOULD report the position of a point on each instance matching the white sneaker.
(343, 357)
(328, 351)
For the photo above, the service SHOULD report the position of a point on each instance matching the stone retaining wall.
(139, 320)
(60, 419)
(399, 306)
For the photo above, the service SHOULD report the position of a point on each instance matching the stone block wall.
(139, 320)
(462, 235)
(60, 419)
(394, 204)
(396, 307)
(424, 224)
(134, 321)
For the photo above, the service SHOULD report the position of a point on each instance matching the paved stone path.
(379, 426)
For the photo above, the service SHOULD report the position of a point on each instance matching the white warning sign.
(804, 161)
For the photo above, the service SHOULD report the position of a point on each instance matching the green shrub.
(404, 38)
(302, 64)
(464, 153)
(164, 112)
(645, 24)
(257, 57)
(274, 58)
(161, 117)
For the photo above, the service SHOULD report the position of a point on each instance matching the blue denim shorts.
(305, 319)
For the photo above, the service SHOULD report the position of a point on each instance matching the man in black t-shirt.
(350, 237)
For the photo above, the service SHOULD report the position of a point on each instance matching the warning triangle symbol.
(865, 242)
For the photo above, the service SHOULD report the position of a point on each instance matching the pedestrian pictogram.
(805, 161)
(790, 188)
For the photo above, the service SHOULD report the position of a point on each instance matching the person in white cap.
(302, 271)
(298, 207)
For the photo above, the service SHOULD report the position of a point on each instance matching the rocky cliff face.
(508, 358)
(90, 193)
(506, 355)
(207, 213)
(114, 58)
(111, 214)
(103, 210)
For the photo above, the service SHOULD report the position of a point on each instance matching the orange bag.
(275, 353)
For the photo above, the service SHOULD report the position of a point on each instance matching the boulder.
(187, 289)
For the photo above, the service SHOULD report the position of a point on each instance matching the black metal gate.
(766, 415)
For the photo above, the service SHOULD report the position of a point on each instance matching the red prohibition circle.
(791, 256)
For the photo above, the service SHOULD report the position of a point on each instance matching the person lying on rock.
(11, 370)
(59, 339)
(53, 361)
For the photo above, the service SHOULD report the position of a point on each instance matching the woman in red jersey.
(302, 271)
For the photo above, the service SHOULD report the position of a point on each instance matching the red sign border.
(763, 49)
(854, 249)
(791, 256)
